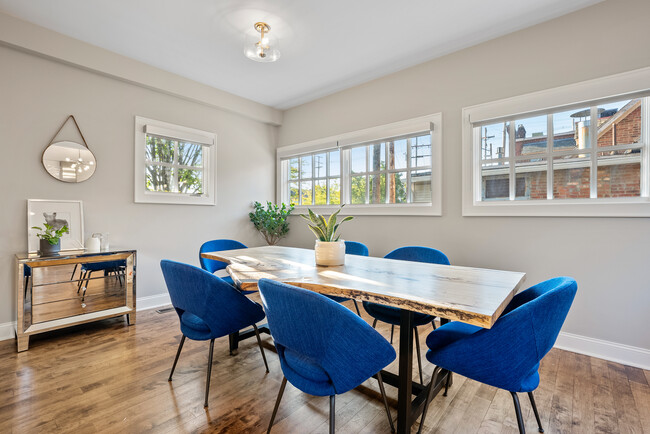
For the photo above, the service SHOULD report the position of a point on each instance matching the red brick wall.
(628, 130)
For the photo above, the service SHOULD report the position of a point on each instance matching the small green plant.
(49, 234)
(272, 222)
(325, 230)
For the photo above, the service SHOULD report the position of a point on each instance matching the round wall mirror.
(69, 161)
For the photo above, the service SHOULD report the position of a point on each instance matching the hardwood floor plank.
(626, 411)
(642, 399)
(583, 404)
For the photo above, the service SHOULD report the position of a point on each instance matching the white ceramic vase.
(330, 253)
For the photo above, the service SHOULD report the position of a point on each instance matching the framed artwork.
(56, 213)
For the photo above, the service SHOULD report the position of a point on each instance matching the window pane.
(397, 154)
(190, 181)
(495, 181)
(397, 187)
(190, 154)
(293, 193)
(571, 177)
(305, 166)
(530, 179)
(358, 159)
(320, 165)
(294, 168)
(160, 150)
(377, 188)
(377, 157)
(358, 189)
(335, 191)
(421, 186)
(494, 141)
(531, 135)
(335, 163)
(306, 197)
(619, 175)
(421, 151)
(619, 123)
(158, 178)
(571, 129)
(320, 192)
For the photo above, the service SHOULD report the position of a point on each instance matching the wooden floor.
(109, 377)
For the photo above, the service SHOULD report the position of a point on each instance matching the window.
(393, 169)
(174, 164)
(584, 158)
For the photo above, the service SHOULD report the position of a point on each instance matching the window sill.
(624, 207)
(406, 209)
(174, 199)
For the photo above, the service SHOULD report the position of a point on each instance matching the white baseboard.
(612, 351)
(7, 330)
(152, 301)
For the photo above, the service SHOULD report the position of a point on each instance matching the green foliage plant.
(325, 229)
(49, 234)
(272, 222)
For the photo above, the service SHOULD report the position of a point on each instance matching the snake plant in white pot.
(329, 249)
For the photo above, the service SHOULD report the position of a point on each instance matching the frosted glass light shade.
(259, 49)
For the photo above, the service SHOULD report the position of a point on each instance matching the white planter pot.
(330, 253)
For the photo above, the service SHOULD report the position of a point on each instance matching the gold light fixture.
(263, 48)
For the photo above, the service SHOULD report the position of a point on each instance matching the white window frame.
(431, 123)
(588, 93)
(207, 139)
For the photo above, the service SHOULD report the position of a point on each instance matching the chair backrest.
(213, 246)
(419, 254)
(312, 325)
(508, 354)
(207, 296)
(356, 248)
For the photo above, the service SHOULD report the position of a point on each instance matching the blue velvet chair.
(352, 248)
(208, 308)
(324, 348)
(210, 265)
(391, 315)
(506, 356)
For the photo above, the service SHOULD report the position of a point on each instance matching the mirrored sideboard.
(74, 287)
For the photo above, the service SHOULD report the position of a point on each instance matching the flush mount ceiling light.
(263, 48)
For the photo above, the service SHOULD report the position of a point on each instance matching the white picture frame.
(56, 212)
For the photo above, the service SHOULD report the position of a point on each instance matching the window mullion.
(346, 179)
(175, 171)
(511, 159)
(645, 150)
(549, 156)
(366, 175)
(409, 151)
(593, 143)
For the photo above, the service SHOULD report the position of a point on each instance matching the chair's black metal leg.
(383, 395)
(259, 343)
(405, 388)
(392, 329)
(447, 383)
(356, 306)
(374, 323)
(417, 350)
(332, 414)
(427, 401)
(82, 276)
(532, 402)
(178, 353)
(277, 403)
(433, 323)
(74, 271)
(207, 382)
(520, 419)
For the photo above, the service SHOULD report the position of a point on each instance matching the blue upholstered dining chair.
(208, 308)
(352, 248)
(391, 315)
(117, 268)
(210, 265)
(324, 348)
(506, 356)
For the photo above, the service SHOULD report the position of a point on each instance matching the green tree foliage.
(161, 178)
(272, 222)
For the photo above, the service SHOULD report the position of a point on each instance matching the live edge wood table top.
(471, 295)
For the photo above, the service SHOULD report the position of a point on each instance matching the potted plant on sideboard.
(50, 239)
(329, 249)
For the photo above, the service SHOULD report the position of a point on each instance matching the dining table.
(474, 296)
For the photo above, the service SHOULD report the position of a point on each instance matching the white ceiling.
(326, 45)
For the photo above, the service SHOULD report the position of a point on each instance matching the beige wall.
(36, 95)
(609, 257)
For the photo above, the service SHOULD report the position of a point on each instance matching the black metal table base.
(234, 338)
